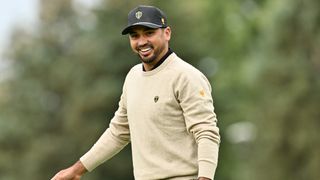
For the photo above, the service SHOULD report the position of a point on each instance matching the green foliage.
(262, 58)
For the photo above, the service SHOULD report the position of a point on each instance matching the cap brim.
(147, 24)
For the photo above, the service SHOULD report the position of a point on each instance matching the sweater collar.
(160, 61)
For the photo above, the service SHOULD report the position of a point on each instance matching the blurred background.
(63, 63)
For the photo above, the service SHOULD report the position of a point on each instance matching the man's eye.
(133, 35)
(149, 33)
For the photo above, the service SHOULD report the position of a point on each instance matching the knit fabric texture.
(168, 116)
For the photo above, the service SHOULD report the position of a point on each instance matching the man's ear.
(167, 33)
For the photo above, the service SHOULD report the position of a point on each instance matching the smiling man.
(166, 111)
(150, 44)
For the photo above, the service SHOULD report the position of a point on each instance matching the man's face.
(150, 44)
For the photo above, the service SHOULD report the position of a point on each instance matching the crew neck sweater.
(168, 116)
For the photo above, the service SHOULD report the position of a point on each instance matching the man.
(165, 111)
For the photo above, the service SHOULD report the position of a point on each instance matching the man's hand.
(72, 173)
(203, 178)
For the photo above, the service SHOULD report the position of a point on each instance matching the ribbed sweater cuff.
(88, 162)
(104, 149)
(206, 169)
(89, 165)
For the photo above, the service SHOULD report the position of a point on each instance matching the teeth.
(145, 50)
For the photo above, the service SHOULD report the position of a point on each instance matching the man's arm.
(109, 144)
(74, 172)
(113, 140)
(197, 104)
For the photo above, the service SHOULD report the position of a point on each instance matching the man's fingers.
(55, 177)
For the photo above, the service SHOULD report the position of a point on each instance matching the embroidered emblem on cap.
(162, 20)
(138, 14)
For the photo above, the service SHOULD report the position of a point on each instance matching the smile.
(145, 50)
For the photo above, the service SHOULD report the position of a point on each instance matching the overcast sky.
(23, 12)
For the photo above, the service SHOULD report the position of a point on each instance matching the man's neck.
(148, 67)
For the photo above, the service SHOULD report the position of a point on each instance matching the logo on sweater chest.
(155, 99)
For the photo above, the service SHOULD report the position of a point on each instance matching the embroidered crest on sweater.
(202, 93)
(156, 98)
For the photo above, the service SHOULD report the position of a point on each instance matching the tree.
(262, 59)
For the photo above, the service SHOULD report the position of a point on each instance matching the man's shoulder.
(135, 68)
(133, 71)
(182, 67)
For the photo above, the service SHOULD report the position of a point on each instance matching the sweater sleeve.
(112, 141)
(197, 105)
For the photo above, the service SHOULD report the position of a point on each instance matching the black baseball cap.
(148, 16)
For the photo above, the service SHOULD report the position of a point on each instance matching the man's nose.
(142, 41)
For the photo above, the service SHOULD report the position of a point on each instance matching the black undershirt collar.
(161, 60)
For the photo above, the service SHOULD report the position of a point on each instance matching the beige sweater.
(167, 114)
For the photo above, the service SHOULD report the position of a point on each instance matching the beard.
(154, 56)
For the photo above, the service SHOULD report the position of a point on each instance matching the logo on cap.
(138, 14)
(162, 20)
